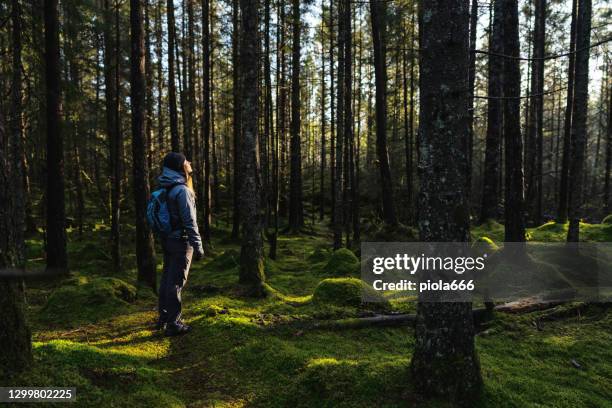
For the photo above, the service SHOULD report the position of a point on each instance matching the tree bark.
(251, 255)
(493, 163)
(145, 254)
(534, 137)
(338, 222)
(378, 14)
(514, 201)
(323, 161)
(15, 339)
(471, 85)
(296, 209)
(57, 259)
(174, 133)
(444, 363)
(562, 210)
(606, 195)
(111, 80)
(237, 119)
(579, 118)
(206, 122)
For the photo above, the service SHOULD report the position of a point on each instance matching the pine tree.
(444, 362)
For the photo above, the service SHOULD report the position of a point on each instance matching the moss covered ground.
(94, 330)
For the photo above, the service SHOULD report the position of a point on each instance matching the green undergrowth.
(94, 331)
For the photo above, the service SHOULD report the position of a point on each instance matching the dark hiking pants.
(177, 259)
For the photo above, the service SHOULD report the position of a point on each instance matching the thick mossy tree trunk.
(145, 253)
(378, 13)
(251, 255)
(579, 117)
(14, 334)
(57, 258)
(444, 363)
(513, 143)
(296, 207)
(492, 163)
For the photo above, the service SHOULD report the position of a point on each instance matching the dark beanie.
(175, 161)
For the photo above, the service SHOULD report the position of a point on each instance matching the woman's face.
(187, 167)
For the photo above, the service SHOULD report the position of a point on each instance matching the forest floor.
(94, 331)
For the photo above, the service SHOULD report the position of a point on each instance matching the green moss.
(240, 357)
(347, 292)
(319, 255)
(342, 262)
(227, 260)
(94, 300)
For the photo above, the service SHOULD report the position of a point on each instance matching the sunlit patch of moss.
(94, 300)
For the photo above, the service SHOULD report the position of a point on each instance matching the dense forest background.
(380, 120)
(191, 69)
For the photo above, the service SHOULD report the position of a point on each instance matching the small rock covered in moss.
(348, 292)
(343, 262)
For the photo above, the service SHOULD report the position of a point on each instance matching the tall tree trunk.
(174, 133)
(145, 256)
(323, 161)
(492, 164)
(206, 121)
(15, 340)
(215, 166)
(268, 116)
(237, 119)
(579, 118)
(534, 138)
(606, 194)
(16, 132)
(513, 206)
(159, 35)
(378, 12)
(251, 255)
(111, 80)
(296, 209)
(332, 113)
(562, 211)
(149, 85)
(57, 259)
(471, 86)
(338, 222)
(444, 363)
(411, 138)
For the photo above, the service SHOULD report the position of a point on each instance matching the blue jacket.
(181, 205)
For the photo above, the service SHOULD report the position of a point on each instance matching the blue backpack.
(158, 214)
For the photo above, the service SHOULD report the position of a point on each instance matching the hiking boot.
(177, 329)
(160, 325)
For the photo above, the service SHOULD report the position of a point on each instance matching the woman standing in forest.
(181, 244)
